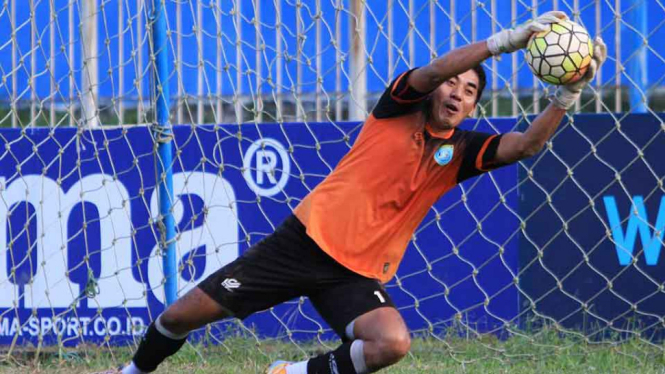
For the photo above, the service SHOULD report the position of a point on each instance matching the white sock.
(358, 357)
(349, 330)
(296, 368)
(132, 369)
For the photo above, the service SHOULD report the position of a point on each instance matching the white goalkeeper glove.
(568, 94)
(511, 40)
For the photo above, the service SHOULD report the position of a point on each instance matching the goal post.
(146, 143)
(163, 136)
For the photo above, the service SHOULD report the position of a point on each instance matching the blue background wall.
(584, 255)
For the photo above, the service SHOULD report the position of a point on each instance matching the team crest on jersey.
(444, 154)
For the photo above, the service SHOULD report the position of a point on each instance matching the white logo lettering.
(52, 209)
(50, 285)
(218, 235)
(265, 170)
(230, 284)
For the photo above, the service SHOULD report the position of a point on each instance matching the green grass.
(542, 354)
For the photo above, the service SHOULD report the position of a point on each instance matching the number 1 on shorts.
(381, 299)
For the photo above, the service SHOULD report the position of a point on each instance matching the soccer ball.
(561, 54)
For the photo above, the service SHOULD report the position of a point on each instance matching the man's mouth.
(452, 108)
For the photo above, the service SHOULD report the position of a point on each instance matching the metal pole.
(617, 51)
(357, 106)
(338, 60)
(258, 68)
(599, 75)
(219, 115)
(638, 66)
(432, 30)
(51, 29)
(279, 60)
(412, 37)
(391, 37)
(70, 63)
(180, 113)
(163, 134)
(33, 64)
(238, 94)
(121, 65)
(453, 24)
(576, 18)
(474, 21)
(90, 84)
(536, 84)
(495, 81)
(14, 97)
(139, 61)
(300, 40)
(319, 77)
(513, 56)
(199, 63)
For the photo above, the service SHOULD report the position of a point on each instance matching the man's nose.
(455, 93)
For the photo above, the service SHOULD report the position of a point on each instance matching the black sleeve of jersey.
(399, 98)
(479, 155)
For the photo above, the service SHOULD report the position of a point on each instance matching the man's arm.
(429, 77)
(515, 146)
(455, 62)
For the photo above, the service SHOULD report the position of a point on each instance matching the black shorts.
(288, 264)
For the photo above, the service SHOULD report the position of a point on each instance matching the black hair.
(482, 81)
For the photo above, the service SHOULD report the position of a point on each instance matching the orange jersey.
(366, 211)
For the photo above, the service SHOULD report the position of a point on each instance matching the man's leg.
(385, 337)
(362, 313)
(376, 339)
(167, 334)
(271, 272)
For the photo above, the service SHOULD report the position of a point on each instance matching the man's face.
(454, 100)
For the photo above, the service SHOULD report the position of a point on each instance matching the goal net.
(560, 252)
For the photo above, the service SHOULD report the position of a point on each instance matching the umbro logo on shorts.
(230, 284)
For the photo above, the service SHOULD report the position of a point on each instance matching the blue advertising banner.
(80, 261)
(591, 251)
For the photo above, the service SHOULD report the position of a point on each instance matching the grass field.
(543, 354)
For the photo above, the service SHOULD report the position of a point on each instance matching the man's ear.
(472, 113)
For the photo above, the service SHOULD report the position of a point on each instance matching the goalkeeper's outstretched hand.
(568, 94)
(510, 40)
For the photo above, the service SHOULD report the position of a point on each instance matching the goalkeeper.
(347, 237)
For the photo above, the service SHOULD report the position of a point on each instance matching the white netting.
(519, 252)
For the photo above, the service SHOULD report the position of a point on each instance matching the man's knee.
(386, 337)
(394, 347)
(174, 321)
(194, 310)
